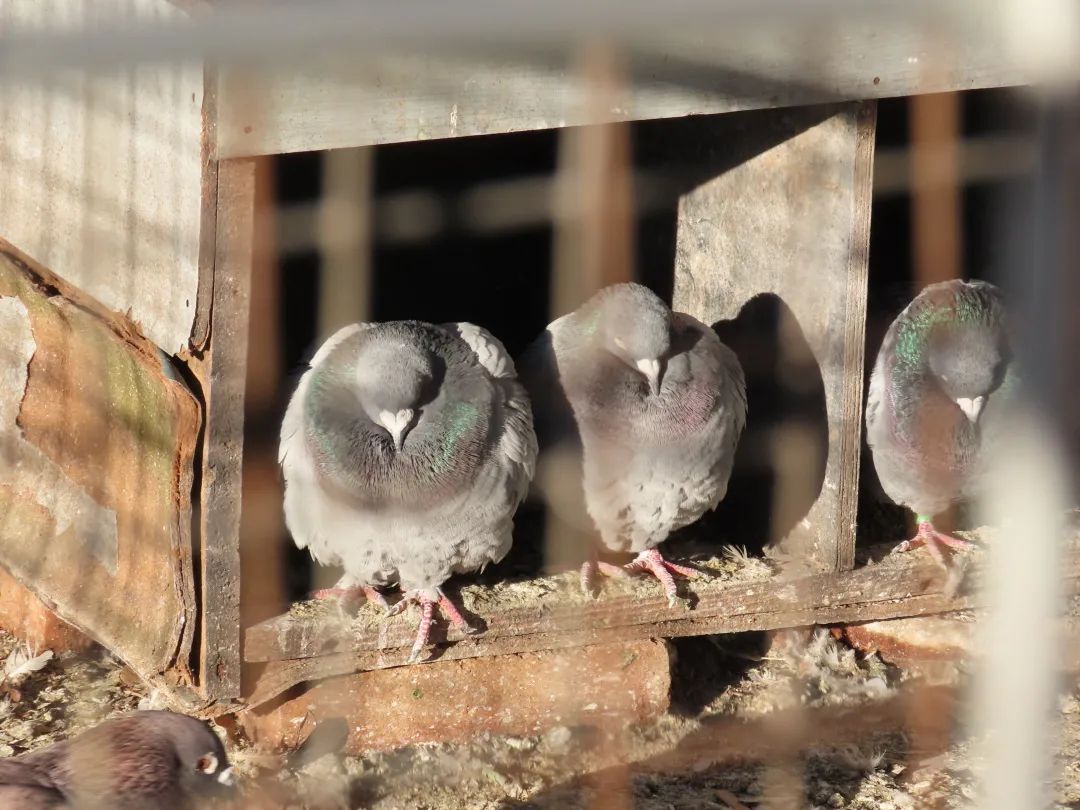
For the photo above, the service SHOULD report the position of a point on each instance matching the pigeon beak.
(397, 424)
(971, 407)
(651, 370)
(227, 778)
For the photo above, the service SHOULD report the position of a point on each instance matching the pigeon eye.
(207, 764)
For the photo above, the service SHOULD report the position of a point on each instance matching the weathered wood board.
(101, 173)
(314, 642)
(221, 372)
(97, 439)
(783, 230)
(355, 100)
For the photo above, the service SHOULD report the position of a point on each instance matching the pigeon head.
(393, 379)
(634, 325)
(204, 770)
(969, 364)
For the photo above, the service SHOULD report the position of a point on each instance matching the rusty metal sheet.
(96, 450)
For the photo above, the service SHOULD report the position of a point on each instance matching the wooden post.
(223, 373)
(778, 239)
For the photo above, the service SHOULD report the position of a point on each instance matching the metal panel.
(101, 172)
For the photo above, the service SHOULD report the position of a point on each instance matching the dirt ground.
(744, 678)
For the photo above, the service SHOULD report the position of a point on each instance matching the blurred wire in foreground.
(246, 31)
(1020, 671)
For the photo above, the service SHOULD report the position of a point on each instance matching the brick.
(457, 701)
(28, 619)
(915, 642)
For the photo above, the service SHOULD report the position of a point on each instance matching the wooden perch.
(296, 648)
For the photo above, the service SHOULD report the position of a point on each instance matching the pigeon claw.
(353, 594)
(427, 615)
(660, 568)
(589, 569)
(933, 540)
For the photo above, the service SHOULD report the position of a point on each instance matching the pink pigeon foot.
(353, 594)
(589, 569)
(660, 568)
(933, 540)
(427, 613)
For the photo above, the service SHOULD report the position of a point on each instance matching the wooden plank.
(775, 245)
(101, 173)
(97, 445)
(312, 643)
(340, 101)
(312, 630)
(222, 371)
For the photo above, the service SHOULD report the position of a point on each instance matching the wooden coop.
(136, 226)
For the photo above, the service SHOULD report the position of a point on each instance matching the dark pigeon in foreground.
(406, 451)
(638, 411)
(145, 760)
(939, 392)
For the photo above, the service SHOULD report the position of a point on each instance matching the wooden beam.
(773, 245)
(345, 101)
(313, 642)
(222, 371)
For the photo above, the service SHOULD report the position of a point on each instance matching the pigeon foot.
(660, 568)
(427, 605)
(353, 594)
(933, 540)
(589, 569)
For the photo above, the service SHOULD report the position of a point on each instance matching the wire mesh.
(197, 196)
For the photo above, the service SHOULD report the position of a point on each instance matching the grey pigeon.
(145, 760)
(638, 411)
(939, 390)
(406, 450)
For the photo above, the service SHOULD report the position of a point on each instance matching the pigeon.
(638, 413)
(406, 450)
(939, 390)
(144, 760)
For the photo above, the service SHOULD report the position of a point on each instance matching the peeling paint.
(26, 470)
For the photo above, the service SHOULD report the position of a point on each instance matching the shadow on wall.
(786, 428)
